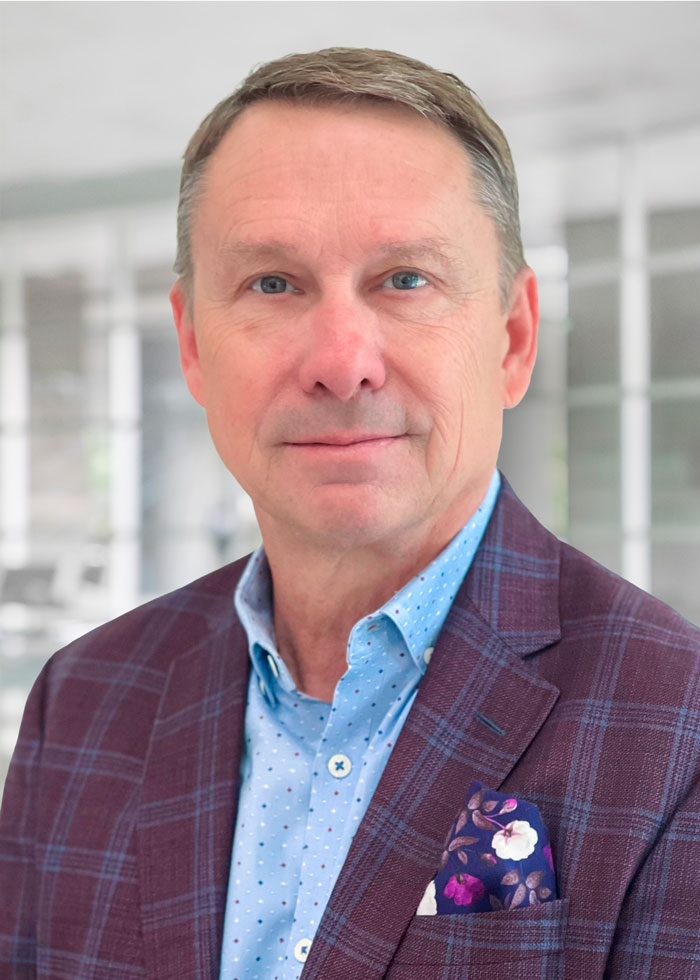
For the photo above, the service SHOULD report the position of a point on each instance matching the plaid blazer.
(552, 680)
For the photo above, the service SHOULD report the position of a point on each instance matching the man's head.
(344, 317)
(351, 76)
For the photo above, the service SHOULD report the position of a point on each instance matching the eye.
(406, 280)
(272, 284)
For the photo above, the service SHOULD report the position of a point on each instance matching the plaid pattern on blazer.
(119, 808)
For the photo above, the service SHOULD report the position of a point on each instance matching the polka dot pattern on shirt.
(297, 812)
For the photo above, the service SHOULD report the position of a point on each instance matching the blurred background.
(110, 490)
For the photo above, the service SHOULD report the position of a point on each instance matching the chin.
(350, 519)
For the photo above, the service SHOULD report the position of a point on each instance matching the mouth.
(354, 450)
(346, 440)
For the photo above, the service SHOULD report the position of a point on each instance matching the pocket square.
(497, 856)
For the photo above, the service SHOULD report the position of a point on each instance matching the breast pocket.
(517, 945)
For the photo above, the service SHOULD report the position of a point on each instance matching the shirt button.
(339, 765)
(261, 685)
(273, 665)
(428, 654)
(301, 950)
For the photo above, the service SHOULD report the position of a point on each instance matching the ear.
(189, 355)
(521, 338)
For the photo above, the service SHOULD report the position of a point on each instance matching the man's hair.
(355, 76)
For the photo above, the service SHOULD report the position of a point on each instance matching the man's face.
(346, 335)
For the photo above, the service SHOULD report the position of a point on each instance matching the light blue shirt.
(309, 768)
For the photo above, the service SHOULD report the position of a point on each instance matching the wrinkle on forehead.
(327, 151)
(439, 250)
(299, 184)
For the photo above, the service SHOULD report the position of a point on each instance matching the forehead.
(332, 172)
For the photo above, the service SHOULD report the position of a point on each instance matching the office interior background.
(110, 489)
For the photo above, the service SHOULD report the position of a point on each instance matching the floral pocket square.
(497, 856)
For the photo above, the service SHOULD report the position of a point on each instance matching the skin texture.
(363, 419)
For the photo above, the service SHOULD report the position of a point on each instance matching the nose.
(343, 354)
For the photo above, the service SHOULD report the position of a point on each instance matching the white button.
(273, 666)
(428, 654)
(261, 685)
(301, 950)
(339, 765)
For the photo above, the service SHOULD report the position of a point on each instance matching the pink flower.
(547, 851)
(516, 841)
(464, 889)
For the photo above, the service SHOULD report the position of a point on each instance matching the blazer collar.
(513, 584)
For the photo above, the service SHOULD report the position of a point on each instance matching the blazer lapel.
(478, 708)
(190, 795)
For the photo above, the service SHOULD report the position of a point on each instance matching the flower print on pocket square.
(497, 856)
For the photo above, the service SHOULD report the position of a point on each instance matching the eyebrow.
(436, 249)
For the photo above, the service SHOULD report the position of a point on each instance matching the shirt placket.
(336, 771)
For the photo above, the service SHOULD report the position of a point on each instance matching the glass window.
(675, 325)
(593, 240)
(675, 474)
(68, 438)
(674, 230)
(67, 360)
(191, 521)
(154, 278)
(675, 572)
(594, 467)
(593, 354)
(69, 479)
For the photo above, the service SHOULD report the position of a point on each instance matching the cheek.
(232, 366)
(455, 370)
(236, 388)
(458, 383)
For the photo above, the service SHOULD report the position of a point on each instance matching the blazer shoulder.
(597, 601)
(151, 635)
(589, 587)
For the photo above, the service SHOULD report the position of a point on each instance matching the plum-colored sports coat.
(552, 680)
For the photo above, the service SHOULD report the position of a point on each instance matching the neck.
(320, 593)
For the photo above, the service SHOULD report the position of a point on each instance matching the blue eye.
(272, 284)
(406, 280)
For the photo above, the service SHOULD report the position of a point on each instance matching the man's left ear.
(521, 338)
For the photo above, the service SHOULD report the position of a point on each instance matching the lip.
(342, 441)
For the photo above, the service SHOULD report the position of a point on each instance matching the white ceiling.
(89, 88)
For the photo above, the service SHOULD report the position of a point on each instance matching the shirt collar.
(253, 603)
(253, 600)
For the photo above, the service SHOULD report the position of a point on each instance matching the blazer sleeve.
(18, 843)
(658, 931)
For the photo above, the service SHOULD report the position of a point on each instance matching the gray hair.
(363, 75)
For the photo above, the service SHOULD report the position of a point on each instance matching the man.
(277, 770)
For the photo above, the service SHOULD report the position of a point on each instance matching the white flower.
(428, 905)
(516, 841)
